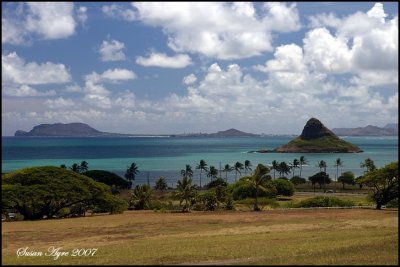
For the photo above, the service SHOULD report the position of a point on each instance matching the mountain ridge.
(390, 129)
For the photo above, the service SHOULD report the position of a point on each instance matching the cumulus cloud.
(43, 20)
(119, 12)
(24, 91)
(217, 29)
(15, 70)
(112, 50)
(81, 14)
(111, 75)
(190, 79)
(59, 103)
(164, 61)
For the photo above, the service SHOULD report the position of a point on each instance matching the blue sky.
(165, 68)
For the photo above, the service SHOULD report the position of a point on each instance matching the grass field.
(272, 237)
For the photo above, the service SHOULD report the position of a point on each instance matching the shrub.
(217, 182)
(284, 187)
(298, 180)
(322, 201)
(241, 189)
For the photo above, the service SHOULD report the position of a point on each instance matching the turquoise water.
(157, 156)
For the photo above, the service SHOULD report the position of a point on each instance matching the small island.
(316, 138)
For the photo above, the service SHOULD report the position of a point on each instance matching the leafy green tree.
(51, 191)
(298, 180)
(384, 183)
(275, 166)
(302, 161)
(247, 166)
(227, 169)
(238, 167)
(295, 164)
(338, 163)
(320, 178)
(141, 197)
(217, 182)
(161, 184)
(212, 173)
(131, 172)
(347, 178)
(257, 181)
(284, 187)
(63, 166)
(185, 192)
(187, 172)
(202, 166)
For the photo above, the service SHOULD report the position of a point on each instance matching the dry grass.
(270, 237)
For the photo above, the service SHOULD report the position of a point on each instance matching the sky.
(190, 67)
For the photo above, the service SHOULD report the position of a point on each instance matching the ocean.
(167, 156)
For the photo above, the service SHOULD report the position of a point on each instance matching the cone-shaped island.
(316, 138)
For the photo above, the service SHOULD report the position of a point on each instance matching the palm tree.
(296, 163)
(161, 184)
(141, 197)
(322, 165)
(275, 166)
(302, 161)
(238, 166)
(256, 181)
(212, 173)
(338, 163)
(283, 168)
(185, 191)
(187, 172)
(369, 164)
(84, 166)
(131, 172)
(227, 169)
(247, 166)
(202, 166)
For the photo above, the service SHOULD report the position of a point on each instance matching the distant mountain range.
(84, 130)
(370, 130)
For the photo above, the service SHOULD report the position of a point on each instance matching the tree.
(296, 163)
(51, 191)
(131, 172)
(283, 168)
(284, 187)
(217, 182)
(227, 169)
(63, 166)
(298, 180)
(75, 167)
(202, 166)
(247, 166)
(212, 173)
(322, 165)
(338, 163)
(84, 166)
(302, 161)
(369, 164)
(141, 197)
(347, 178)
(187, 172)
(275, 166)
(108, 178)
(238, 166)
(384, 183)
(161, 184)
(321, 178)
(185, 192)
(256, 182)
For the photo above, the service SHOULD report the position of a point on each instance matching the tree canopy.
(108, 178)
(52, 191)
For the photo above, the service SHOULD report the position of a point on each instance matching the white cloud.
(15, 70)
(190, 79)
(217, 29)
(24, 91)
(112, 50)
(73, 88)
(164, 61)
(59, 103)
(119, 12)
(111, 76)
(82, 14)
(377, 12)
